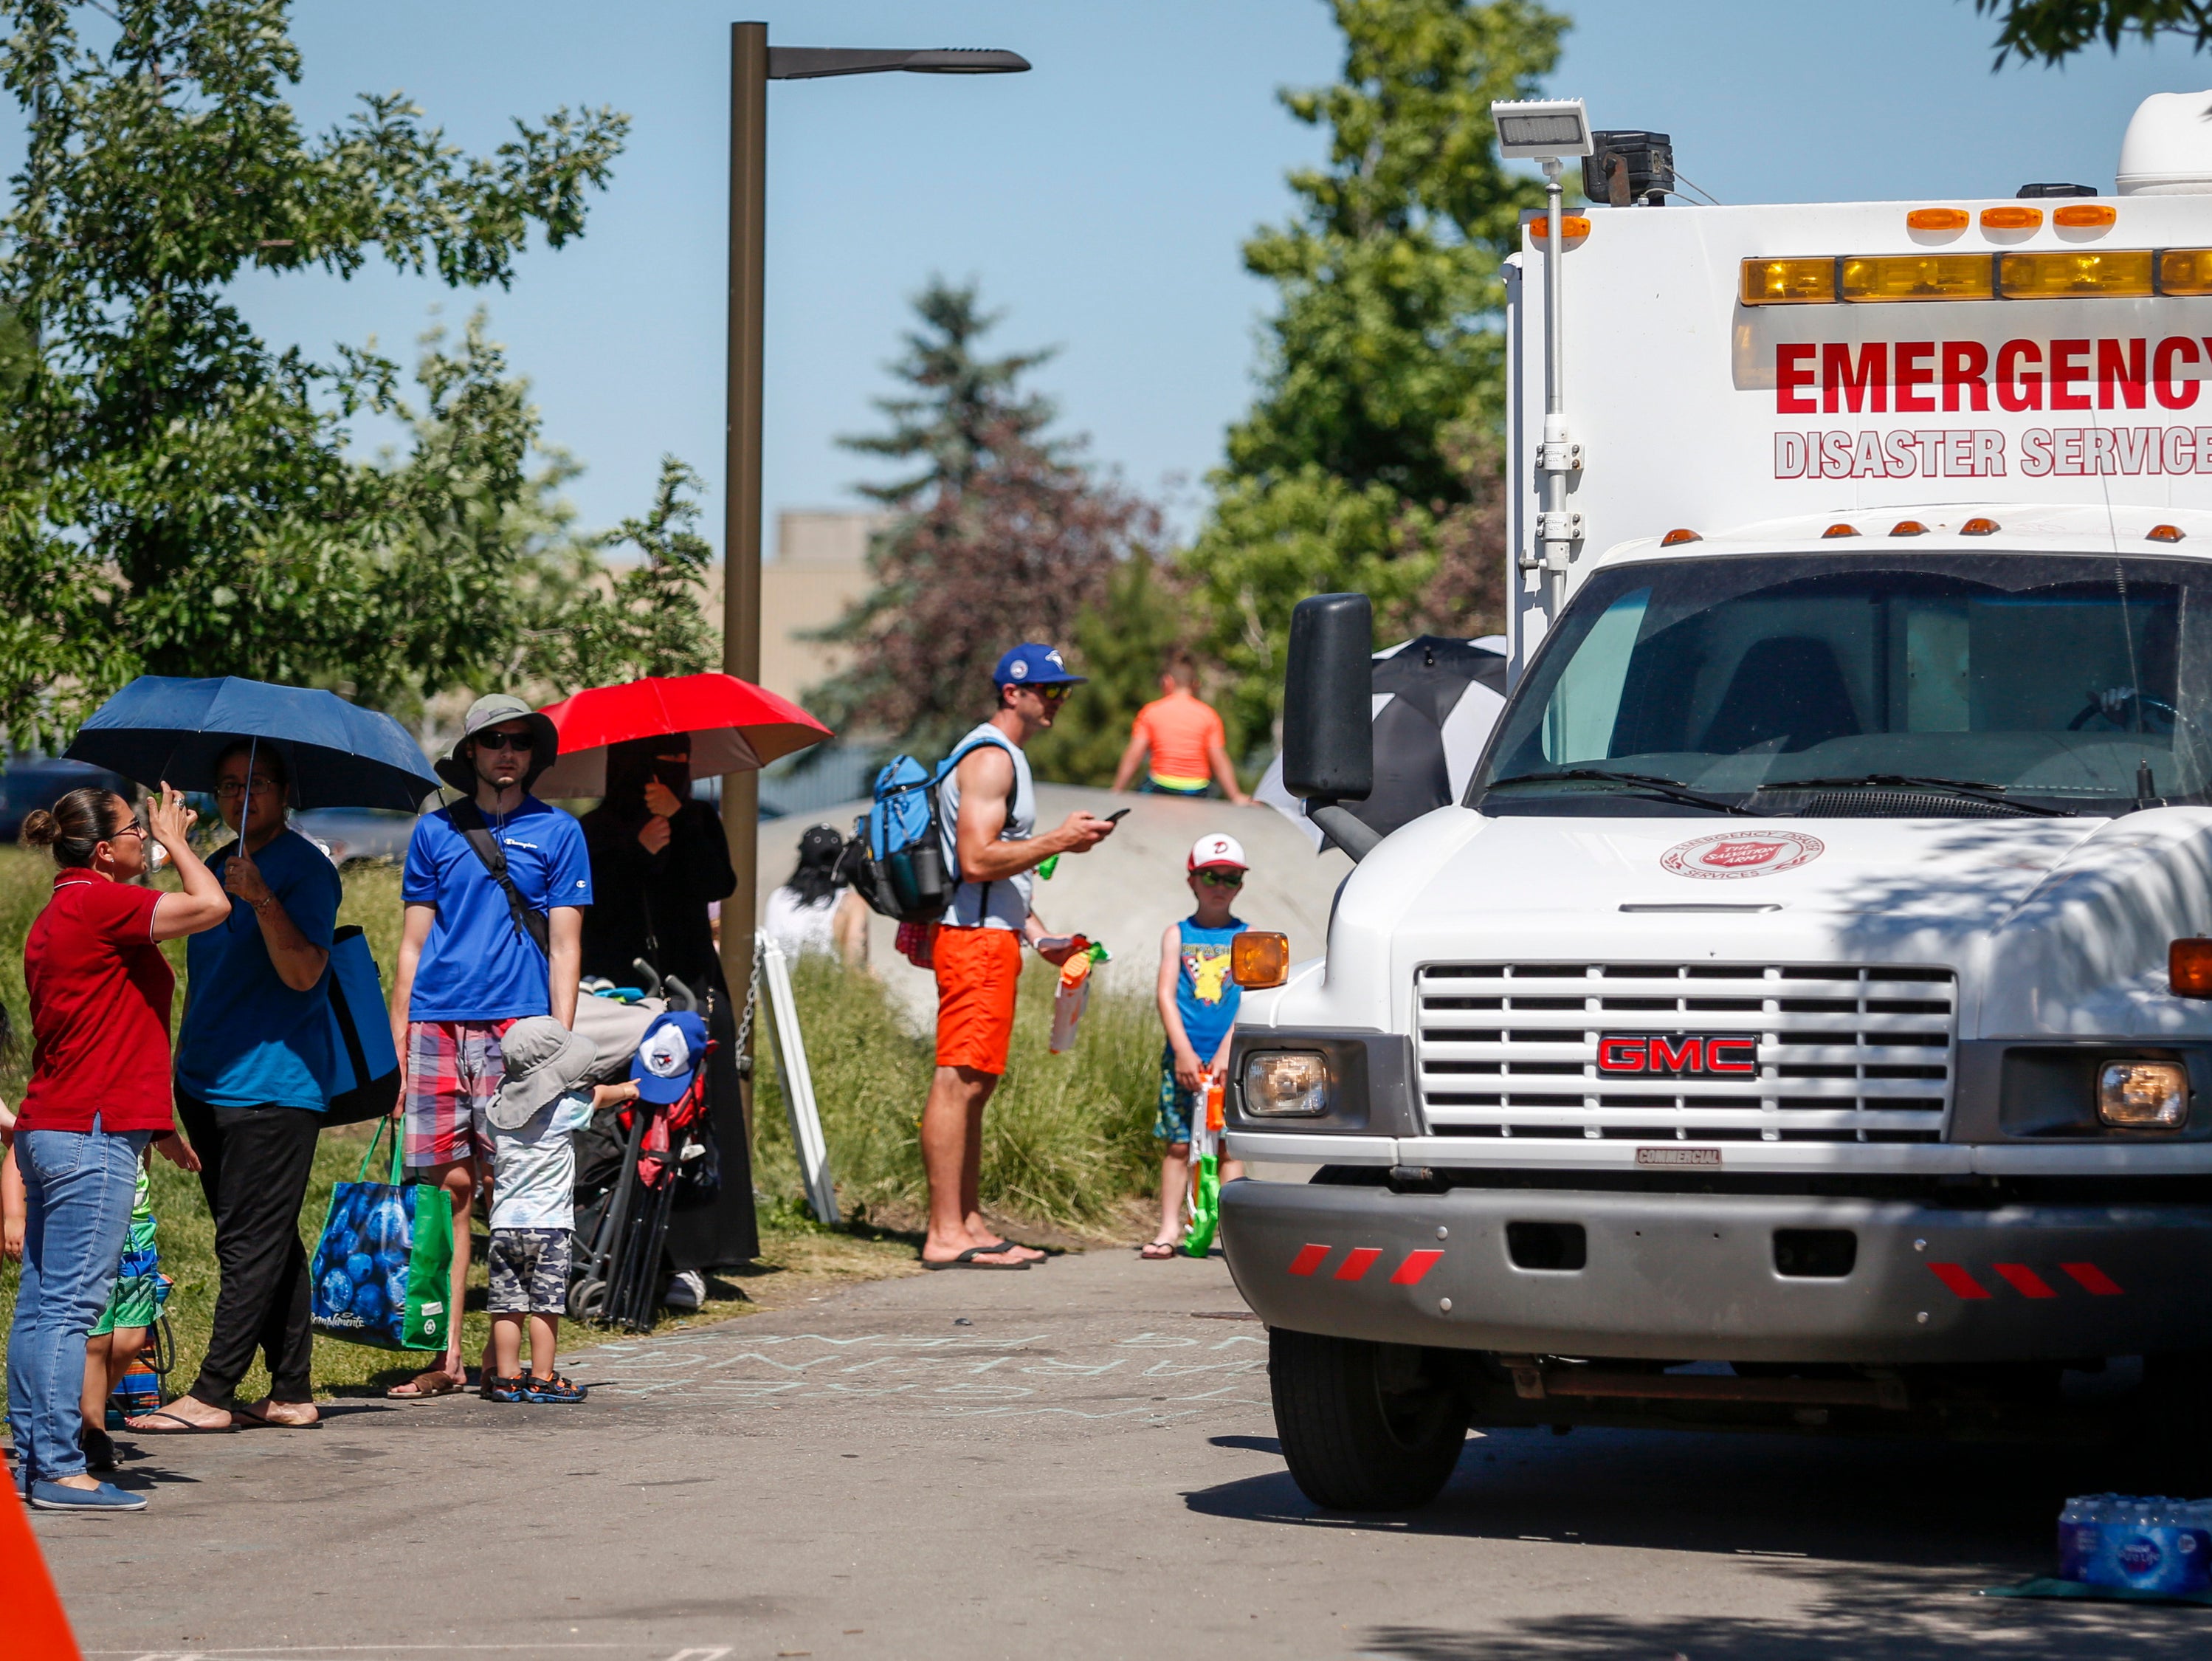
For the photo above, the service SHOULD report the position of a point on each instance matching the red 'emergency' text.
(1915, 377)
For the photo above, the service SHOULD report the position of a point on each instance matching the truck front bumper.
(1695, 1277)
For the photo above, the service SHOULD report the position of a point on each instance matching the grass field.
(1068, 1137)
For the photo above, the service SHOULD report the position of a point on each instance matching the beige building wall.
(819, 567)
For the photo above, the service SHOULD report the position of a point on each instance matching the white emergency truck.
(1802, 1021)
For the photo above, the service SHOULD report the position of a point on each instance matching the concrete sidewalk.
(1075, 1462)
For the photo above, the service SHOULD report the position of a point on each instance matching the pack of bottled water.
(2145, 1543)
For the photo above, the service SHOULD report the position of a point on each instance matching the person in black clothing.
(659, 860)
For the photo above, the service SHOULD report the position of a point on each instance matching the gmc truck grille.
(1809, 1053)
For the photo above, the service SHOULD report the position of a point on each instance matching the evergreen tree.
(1365, 460)
(1002, 535)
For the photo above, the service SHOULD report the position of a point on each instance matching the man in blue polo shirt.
(480, 950)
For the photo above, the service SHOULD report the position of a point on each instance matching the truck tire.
(1363, 1427)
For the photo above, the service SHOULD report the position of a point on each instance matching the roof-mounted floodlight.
(1536, 128)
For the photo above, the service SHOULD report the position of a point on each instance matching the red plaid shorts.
(453, 1070)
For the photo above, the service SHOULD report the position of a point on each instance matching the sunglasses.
(1050, 694)
(1222, 879)
(505, 741)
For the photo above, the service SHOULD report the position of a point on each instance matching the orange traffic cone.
(41, 1629)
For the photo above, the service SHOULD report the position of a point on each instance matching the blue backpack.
(899, 865)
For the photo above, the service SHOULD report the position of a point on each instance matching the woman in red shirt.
(100, 992)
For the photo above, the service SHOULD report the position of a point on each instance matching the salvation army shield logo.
(1738, 854)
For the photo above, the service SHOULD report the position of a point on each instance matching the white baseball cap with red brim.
(1217, 852)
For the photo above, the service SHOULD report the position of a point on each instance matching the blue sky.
(1099, 199)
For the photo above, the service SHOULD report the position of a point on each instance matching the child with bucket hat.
(542, 1102)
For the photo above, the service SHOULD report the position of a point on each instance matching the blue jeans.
(79, 1185)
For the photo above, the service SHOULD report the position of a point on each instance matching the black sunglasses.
(506, 741)
(1222, 879)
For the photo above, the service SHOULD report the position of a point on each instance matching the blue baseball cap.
(1032, 665)
(673, 1050)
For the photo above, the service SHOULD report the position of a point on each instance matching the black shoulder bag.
(469, 820)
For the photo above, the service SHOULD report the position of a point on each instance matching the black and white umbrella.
(1435, 701)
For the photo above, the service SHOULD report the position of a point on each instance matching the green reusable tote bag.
(383, 1269)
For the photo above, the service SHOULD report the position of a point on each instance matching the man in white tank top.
(988, 808)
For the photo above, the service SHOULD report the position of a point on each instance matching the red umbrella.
(734, 728)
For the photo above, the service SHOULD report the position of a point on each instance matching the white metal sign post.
(798, 1082)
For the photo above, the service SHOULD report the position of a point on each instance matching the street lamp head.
(815, 63)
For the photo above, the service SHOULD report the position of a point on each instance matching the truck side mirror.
(1329, 734)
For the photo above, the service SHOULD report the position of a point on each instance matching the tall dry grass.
(1067, 1137)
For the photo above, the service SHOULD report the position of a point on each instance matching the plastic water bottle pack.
(2142, 1542)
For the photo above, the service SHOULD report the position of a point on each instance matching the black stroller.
(629, 1162)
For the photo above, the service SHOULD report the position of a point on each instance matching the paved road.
(1072, 1462)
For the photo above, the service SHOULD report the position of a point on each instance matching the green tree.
(2051, 31)
(649, 619)
(1382, 386)
(176, 496)
(1002, 535)
(1121, 641)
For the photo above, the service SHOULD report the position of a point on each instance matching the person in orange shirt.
(1184, 738)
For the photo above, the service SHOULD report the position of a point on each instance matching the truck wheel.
(1363, 1427)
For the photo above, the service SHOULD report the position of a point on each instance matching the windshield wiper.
(1972, 790)
(1672, 789)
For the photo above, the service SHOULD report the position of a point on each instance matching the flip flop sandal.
(417, 1389)
(1158, 1252)
(970, 1259)
(184, 1426)
(1018, 1245)
(247, 1419)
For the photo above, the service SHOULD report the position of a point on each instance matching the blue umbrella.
(166, 727)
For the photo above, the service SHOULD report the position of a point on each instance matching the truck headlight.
(1285, 1083)
(2143, 1095)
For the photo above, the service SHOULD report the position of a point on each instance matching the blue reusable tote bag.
(382, 1271)
(364, 1078)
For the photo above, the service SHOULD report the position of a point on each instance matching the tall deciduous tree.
(175, 495)
(1364, 461)
(2051, 31)
(1002, 535)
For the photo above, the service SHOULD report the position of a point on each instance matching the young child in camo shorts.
(542, 1102)
(118, 1337)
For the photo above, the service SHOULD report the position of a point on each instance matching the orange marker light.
(1259, 958)
(1572, 225)
(2163, 533)
(2188, 967)
(1674, 539)
(1978, 527)
(2013, 219)
(1908, 527)
(1788, 282)
(1937, 219)
(2083, 216)
(1841, 531)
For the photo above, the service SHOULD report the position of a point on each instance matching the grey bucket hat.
(544, 1060)
(489, 711)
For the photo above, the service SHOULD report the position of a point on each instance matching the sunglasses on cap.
(505, 741)
(1221, 879)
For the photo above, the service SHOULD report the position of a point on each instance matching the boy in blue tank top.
(1198, 1008)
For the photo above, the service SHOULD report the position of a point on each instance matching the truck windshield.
(1874, 683)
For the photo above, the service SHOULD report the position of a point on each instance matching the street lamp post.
(753, 64)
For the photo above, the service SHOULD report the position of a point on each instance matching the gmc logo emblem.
(1679, 1055)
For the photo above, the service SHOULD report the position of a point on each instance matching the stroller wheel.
(587, 1299)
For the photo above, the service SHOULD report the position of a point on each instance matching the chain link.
(745, 1019)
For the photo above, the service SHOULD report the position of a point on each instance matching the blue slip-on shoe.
(53, 1496)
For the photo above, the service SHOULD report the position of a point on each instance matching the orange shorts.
(978, 970)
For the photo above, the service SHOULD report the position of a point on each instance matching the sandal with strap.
(496, 1389)
(554, 1390)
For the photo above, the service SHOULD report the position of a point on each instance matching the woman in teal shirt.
(249, 1058)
